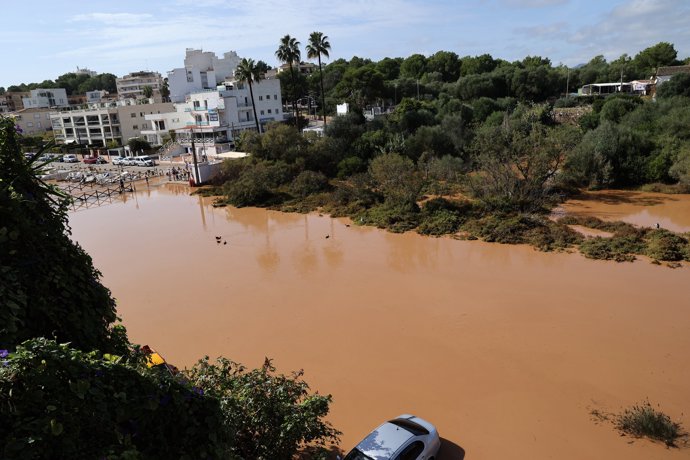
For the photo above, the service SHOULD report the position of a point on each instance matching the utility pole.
(567, 84)
(196, 165)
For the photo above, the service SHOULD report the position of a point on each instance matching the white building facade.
(214, 118)
(132, 85)
(202, 70)
(45, 98)
(103, 123)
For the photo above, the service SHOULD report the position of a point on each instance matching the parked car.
(70, 158)
(46, 157)
(143, 161)
(95, 160)
(119, 161)
(404, 438)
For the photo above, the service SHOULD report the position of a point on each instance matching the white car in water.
(70, 158)
(404, 438)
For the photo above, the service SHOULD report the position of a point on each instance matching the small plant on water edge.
(644, 421)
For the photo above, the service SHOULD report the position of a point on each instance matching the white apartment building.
(33, 122)
(106, 122)
(132, 85)
(85, 71)
(214, 118)
(45, 98)
(94, 97)
(202, 70)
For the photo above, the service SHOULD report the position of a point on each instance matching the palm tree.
(248, 71)
(318, 45)
(289, 53)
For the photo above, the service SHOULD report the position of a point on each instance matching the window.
(262, 112)
(269, 110)
(411, 452)
(133, 115)
(30, 124)
(268, 97)
(38, 124)
(275, 96)
(37, 116)
(261, 98)
(135, 127)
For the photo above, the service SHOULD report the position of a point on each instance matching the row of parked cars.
(142, 160)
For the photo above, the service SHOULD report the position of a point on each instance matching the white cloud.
(113, 18)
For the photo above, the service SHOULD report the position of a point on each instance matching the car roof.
(384, 441)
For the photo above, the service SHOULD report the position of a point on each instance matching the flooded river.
(506, 349)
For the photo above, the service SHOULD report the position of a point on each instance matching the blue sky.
(43, 39)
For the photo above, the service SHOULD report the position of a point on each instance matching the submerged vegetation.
(644, 420)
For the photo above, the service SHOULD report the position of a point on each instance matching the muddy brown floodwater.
(506, 349)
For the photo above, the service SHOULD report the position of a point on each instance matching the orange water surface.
(506, 349)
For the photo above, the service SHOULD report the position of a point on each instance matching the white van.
(70, 158)
(143, 160)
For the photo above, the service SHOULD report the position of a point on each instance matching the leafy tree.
(414, 66)
(2, 90)
(678, 85)
(661, 54)
(446, 63)
(397, 178)
(318, 45)
(274, 416)
(288, 52)
(262, 66)
(49, 286)
(248, 72)
(165, 91)
(389, 68)
(148, 91)
(477, 65)
(138, 144)
(517, 161)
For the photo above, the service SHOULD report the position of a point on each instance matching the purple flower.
(4, 353)
(18, 129)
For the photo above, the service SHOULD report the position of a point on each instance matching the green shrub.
(60, 403)
(307, 183)
(620, 249)
(643, 420)
(397, 219)
(272, 416)
(441, 217)
(441, 222)
(665, 245)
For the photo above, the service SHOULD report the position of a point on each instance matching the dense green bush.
(48, 284)
(60, 403)
(667, 246)
(272, 416)
(620, 249)
(307, 183)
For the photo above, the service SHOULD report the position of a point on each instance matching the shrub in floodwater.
(442, 217)
(619, 249)
(665, 245)
(397, 219)
(643, 420)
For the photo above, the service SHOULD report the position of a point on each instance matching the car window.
(355, 454)
(412, 451)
